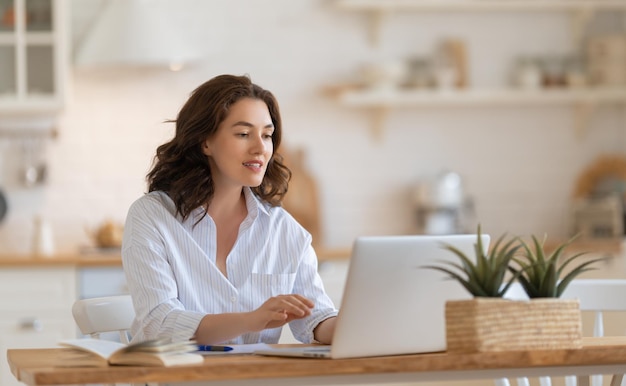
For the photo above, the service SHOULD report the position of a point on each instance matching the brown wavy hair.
(181, 169)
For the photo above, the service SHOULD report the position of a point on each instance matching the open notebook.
(391, 305)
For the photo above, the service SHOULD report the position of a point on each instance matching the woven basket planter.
(494, 324)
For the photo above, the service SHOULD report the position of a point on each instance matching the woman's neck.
(227, 203)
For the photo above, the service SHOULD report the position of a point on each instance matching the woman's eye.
(242, 134)
(267, 136)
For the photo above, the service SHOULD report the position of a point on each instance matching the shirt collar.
(254, 203)
(255, 207)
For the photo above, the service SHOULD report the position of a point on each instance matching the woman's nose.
(259, 146)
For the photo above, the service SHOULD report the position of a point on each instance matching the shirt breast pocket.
(268, 285)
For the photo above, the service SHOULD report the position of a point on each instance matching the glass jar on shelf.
(420, 73)
(575, 72)
(553, 70)
(527, 74)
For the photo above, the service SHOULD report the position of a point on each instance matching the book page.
(102, 348)
(138, 358)
(96, 352)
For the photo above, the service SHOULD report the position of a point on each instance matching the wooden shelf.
(378, 10)
(380, 102)
(478, 97)
(477, 5)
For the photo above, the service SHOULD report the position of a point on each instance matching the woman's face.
(242, 146)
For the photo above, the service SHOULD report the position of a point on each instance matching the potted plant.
(484, 276)
(490, 322)
(543, 275)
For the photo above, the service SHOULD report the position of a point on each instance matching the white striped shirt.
(174, 281)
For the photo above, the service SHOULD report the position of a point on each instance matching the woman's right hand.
(280, 310)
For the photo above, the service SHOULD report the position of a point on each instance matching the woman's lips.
(254, 165)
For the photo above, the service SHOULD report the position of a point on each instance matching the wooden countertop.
(36, 366)
(608, 246)
(95, 259)
(90, 260)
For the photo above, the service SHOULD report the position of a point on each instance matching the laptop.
(391, 304)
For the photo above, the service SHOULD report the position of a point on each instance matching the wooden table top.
(36, 366)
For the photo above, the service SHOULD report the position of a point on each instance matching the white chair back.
(595, 295)
(105, 314)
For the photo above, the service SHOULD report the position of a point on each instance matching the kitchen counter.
(60, 260)
(95, 259)
(603, 246)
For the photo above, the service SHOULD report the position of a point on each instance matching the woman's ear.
(206, 148)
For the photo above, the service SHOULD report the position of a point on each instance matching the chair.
(595, 295)
(101, 315)
(105, 314)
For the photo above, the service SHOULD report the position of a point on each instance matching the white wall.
(519, 164)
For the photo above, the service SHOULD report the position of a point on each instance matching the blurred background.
(399, 118)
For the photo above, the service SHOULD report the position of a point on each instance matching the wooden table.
(598, 356)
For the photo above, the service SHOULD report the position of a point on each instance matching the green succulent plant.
(540, 273)
(485, 275)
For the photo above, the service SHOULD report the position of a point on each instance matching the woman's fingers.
(282, 309)
(296, 305)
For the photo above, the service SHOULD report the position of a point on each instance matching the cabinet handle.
(31, 324)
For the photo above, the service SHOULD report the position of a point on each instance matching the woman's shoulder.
(277, 215)
(152, 202)
(281, 218)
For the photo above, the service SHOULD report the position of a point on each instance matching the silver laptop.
(391, 304)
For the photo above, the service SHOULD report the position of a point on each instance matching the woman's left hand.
(280, 310)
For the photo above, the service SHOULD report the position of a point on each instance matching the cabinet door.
(24, 291)
(30, 332)
(8, 51)
(32, 55)
(36, 306)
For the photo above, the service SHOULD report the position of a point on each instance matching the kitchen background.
(518, 163)
(512, 150)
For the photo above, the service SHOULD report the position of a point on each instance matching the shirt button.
(233, 299)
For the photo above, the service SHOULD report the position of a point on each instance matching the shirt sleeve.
(151, 281)
(309, 284)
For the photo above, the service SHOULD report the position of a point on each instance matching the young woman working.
(209, 253)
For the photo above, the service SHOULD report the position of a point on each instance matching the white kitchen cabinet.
(95, 282)
(36, 311)
(33, 59)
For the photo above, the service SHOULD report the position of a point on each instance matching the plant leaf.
(584, 267)
(470, 286)
(570, 260)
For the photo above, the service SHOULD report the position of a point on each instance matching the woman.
(208, 252)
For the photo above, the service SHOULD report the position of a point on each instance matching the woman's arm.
(324, 331)
(275, 312)
(309, 283)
